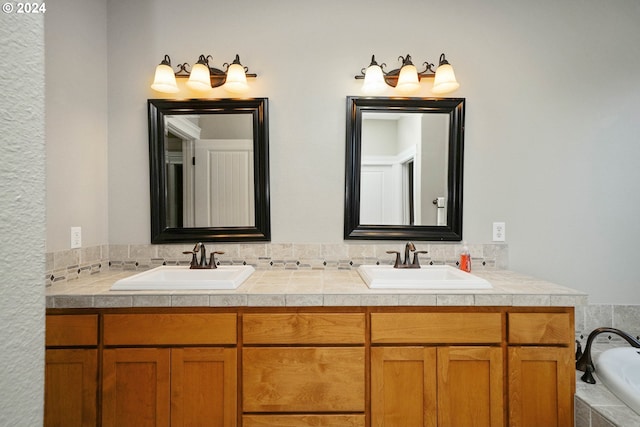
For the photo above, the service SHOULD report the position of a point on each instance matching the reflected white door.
(380, 194)
(224, 189)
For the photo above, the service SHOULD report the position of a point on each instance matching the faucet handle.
(397, 258)
(194, 260)
(212, 260)
(415, 257)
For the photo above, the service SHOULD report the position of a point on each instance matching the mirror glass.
(209, 170)
(404, 168)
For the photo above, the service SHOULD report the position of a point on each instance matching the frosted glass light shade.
(236, 79)
(445, 80)
(373, 80)
(164, 80)
(199, 79)
(408, 80)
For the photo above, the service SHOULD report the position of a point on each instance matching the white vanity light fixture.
(374, 78)
(165, 79)
(202, 77)
(406, 79)
(236, 77)
(445, 80)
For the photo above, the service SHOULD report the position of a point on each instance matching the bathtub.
(619, 370)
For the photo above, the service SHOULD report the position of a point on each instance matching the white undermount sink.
(181, 277)
(425, 277)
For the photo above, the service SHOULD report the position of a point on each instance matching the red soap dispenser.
(465, 258)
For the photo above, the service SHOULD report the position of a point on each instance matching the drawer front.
(303, 420)
(71, 330)
(432, 328)
(540, 328)
(304, 328)
(170, 329)
(303, 379)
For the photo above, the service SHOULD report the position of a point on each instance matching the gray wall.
(76, 125)
(22, 219)
(551, 127)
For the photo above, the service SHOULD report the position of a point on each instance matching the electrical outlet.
(76, 237)
(499, 232)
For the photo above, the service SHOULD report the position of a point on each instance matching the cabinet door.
(541, 386)
(403, 387)
(135, 387)
(470, 387)
(71, 387)
(303, 379)
(203, 387)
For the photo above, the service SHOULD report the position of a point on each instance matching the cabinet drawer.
(441, 328)
(540, 328)
(170, 329)
(304, 328)
(303, 379)
(303, 420)
(72, 330)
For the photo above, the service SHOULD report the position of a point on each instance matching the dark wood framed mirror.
(209, 170)
(404, 168)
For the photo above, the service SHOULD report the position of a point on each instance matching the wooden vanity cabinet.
(541, 369)
(169, 370)
(303, 369)
(436, 369)
(71, 371)
(317, 366)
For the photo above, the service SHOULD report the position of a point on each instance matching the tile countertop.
(296, 288)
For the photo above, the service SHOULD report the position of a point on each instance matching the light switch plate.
(499, 232)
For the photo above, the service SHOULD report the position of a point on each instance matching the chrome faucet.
(203, 263)
(409, 247)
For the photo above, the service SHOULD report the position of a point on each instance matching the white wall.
(551, 127)
(76, 125)
(22, 219)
